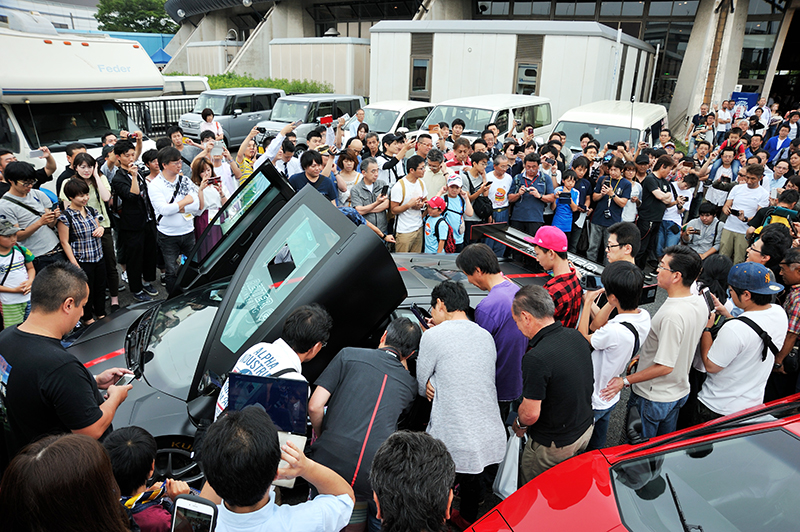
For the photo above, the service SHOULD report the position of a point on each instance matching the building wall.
(390, 73)
(63, 16)
(329, 60)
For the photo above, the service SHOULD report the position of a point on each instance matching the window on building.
(420, 75)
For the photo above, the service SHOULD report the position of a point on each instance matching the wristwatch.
(625, 382)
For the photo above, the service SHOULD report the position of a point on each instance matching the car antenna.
(686, 526)
(630, 131)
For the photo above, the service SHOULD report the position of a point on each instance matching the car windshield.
(288, 111)
(378, 120)
(285, 260)
(59, 124)
(745, 484)
(215, 102)
(475, 119)
(177, 337)
(602, 133)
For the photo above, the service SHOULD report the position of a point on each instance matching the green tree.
(143, 16)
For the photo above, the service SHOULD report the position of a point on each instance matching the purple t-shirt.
(494, 315)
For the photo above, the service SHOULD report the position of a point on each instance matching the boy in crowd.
(16, 269)
(564, 207)
(550, 244)
(436, 227)
(616, 342)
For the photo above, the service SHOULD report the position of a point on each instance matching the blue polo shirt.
(528, 208)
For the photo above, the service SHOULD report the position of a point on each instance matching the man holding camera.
(611, 196)
(408, 197)
(176, 201)
(703, 234)
(530, 193)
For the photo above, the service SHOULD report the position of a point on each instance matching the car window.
(732, 484)
(476, 119)
(324, 109)
(296, 248)
(523, 116)
(289, 111)
(502, 121)
(378, 120)
(603, 133)
(8, 134)
(194, 86)
(409, 120)
(344, 107)
(245, 103)
(542, 115)
(261, 102)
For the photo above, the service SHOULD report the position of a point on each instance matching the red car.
(737, 473)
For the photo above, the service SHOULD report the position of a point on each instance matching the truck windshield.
(602, 133)
(289, 111)
(215, 102)
(59, 124)
(379, 120)
(476, 119)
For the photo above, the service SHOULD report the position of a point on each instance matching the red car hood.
(580, 485)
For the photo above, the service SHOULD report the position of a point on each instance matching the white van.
(385, 117)
(479, 111)
(613, 121)
(56, 89)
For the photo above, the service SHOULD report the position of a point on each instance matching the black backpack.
(482, 206)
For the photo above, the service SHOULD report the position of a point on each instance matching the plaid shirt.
(85, 247)
(566, 292)
(792, 308)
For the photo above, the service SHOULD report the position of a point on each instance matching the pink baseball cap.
(437, 203)
(549, 237)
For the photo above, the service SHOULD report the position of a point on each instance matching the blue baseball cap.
(753, 277)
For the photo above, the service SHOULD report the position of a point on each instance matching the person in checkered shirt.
(550, 244)
(784, 378)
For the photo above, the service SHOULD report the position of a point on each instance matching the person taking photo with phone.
(48, 390)
(703, 234)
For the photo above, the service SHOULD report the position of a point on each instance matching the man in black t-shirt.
(366, 391)
(656, 197)
(43, 388)
(557, 379)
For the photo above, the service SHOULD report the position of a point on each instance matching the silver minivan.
(237, 111)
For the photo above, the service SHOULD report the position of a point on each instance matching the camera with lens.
(261, 130)
(100, 217)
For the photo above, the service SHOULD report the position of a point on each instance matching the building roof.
(516, 27)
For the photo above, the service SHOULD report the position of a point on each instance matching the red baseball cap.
(437, 203)
(549, 237)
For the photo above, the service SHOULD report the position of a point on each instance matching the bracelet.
(520, 425)
(625, 382)
(777, 365)
(707, 330)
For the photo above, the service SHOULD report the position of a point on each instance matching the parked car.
(736, 473)
(237, 111)
(613, 121)
(185, 85)
(385, 117)
(309, 108)
(479, 111)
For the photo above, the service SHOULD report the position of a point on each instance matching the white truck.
(56, 89)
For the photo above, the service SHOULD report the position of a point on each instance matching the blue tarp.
(160, 57)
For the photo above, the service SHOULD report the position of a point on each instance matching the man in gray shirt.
(33, 212)
(703, 234)
(366, 196)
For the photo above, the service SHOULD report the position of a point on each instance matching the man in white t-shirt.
(615, 343)
(407, 201)
(718, 182)
(499, 190)
(739, 362)
(742, 204)
(724, 118)
(660, 387)
(304, 333)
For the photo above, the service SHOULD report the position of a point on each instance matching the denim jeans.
(173, 247)
(601, 419)
(735, 165)
(666, 237)
(657, 418)
(498, 216)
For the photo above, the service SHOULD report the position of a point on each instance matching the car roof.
(317, 96)
(616, 113)
(496, 101)
(399, 105)
(244, 90)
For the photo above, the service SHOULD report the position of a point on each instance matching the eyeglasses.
(324, 344)
(609, 246)
(660, 267)
(28, 182)
(751, 248)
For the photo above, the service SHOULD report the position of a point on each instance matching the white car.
(387, 116)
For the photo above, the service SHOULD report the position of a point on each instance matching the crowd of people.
(715, 228)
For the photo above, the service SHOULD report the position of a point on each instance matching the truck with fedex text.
(56, 89)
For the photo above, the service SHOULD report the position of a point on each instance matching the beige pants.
(409, 242)
(537, 458)
(733, 245)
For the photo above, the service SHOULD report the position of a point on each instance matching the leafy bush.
(295, 86)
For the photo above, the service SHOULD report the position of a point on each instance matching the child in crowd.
(565, 206)
(435, 226)
(17, 273)
(79, 231)
(133, 459)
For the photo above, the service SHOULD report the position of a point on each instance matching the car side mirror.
(201, 409)
(418, 123)
(210, 384)
(236, 112)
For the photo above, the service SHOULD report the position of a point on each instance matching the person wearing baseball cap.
(741, 357)
(17, 264)
(435, 225)
(550, 245)
(457, 205)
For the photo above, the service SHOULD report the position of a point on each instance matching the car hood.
(566, 498)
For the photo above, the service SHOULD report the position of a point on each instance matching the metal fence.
(157, 115)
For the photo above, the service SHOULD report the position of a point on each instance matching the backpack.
(450, 242)
(779, 215)
(482, 206)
